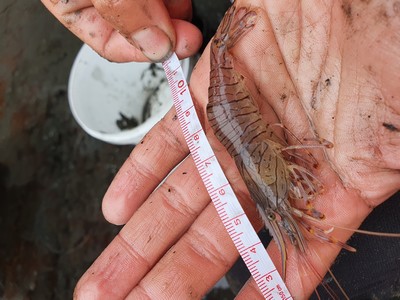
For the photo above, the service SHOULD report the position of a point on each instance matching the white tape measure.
(227, 205)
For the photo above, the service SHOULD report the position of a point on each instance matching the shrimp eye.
(271, 217)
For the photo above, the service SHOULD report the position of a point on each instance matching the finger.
(188, 38)
(293, 281)
(203, 254)
(151, 231)
(149, 163)
(192, 266)
(249, 291)
(301, 279)
(84, 21)
(150, 29)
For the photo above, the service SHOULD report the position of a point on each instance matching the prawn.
(274, 181)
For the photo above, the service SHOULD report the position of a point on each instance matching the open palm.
(321, 68)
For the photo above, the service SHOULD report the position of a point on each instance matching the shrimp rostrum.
(282, 190)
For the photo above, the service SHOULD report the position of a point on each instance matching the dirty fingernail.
(153, 42)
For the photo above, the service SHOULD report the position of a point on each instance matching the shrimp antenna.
(366, 232)
(327, 287)
(329, 290)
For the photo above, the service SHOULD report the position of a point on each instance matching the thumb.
(144, 23)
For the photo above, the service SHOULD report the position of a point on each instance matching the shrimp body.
(272, 180)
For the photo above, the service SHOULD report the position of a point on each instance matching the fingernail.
(153, 42)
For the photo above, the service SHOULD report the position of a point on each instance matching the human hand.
(324, 68)
(138, 30)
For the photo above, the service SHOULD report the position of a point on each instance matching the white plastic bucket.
(108, 99)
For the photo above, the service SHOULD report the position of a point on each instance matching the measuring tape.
(227, 205)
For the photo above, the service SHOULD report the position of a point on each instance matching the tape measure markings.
(227, 205)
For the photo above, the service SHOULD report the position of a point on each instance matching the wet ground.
(52, 174)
